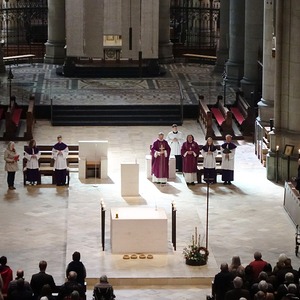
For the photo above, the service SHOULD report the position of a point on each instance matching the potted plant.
(194, 254)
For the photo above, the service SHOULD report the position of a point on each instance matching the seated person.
(103, 290)
(69, 286)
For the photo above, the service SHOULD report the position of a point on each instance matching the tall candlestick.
(277, 162)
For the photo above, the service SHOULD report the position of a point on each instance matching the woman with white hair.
(11, 158)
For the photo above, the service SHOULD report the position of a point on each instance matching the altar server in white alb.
(60, 153)
(209, 153)
(228, 153)
(175, 140)
(32, 155)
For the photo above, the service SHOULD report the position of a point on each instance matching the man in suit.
(40, 279)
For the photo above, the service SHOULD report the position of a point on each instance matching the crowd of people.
(186, 154)
(257, 281)
(43, 287)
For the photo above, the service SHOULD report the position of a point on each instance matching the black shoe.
(229, 182)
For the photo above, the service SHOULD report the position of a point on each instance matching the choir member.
(228, 153)
(32, 155)
(209, 153)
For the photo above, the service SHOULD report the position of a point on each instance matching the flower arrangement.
(195, 254)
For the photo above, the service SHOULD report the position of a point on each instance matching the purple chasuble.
(190, 161)
(160, 164)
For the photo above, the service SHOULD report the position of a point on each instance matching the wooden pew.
(243, 113)
(205, 118)
(199, 57)
(223, 116)
(30, 119)
(12, 120)
(15, 59)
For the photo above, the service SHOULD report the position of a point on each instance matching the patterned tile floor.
(42, 80)
(48, 222)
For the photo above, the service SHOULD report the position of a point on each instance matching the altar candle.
(277, 148)
(298, 153)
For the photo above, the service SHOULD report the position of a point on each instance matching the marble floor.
(49, 222)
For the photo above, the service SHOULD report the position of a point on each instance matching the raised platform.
(111, 69)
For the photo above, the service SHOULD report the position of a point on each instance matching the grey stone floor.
(49, 222)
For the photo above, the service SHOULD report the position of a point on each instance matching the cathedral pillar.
(55, 45)
(235, 64)
(222, 51)
(266, 105)
(165, 54)
(286, 92)
(253, 46)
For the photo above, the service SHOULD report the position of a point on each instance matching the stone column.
(55, 45)
(235, 64)
(266, 105)
(253, 45)
(165, 52)
(289, 72)
(286, 90)
(222, 51)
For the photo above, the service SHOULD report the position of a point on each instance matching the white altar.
(93, 156)
(130, 179)
(172, 166)
(138, 230)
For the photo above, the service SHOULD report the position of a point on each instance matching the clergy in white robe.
(209, 153)
(175, 140)
(228, 153)
(60, 153)
(32, 155)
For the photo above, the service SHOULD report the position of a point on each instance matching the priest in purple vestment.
(190, 152)
(160, 152)
(60, 153)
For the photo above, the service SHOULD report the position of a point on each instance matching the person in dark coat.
(77, 266)
(21, 292)
(222, 282)
(69, 286)
(40, 279)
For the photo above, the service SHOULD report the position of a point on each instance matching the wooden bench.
(12, 120)
(44, 170)
(2, 112)
(202, 58)
(243, 114)
(223, 117)
(205, 118)
(30, 119)
(46, 162)
(15, 59)
(46, 153)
